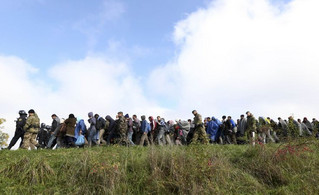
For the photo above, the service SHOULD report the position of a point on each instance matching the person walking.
(31, 129)
(19, 132)
(199, 132)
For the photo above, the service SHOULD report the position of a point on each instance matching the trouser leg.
(160, 137)
(151, 138)
(143, 139)
(269, 136)
(130, 135)
(195, 137)
(110, 137)
(17, 135)
(102, 131)
(33, 141)
(233, 135)
(275, 136)
(26, 140)
(91, 136)
(60, 142)
(168, 139)
(52, 141)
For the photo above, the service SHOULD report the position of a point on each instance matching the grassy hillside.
(213, 169)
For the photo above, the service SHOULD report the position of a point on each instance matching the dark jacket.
(111, 123)
(242, 126)
(21, 122)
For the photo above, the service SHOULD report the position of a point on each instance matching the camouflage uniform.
(31, 129)
(251, 126)
(121, 128)
(293, 128)
(199, 132)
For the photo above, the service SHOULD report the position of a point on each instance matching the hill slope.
(278, 169)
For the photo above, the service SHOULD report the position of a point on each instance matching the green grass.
(214, 169)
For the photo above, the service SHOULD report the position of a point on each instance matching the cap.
(31, 111)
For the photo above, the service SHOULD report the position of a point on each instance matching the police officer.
(43, 135)
(19, 133)
(31, 128)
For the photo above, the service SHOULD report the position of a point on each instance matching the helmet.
(22, 112)
(43, 125)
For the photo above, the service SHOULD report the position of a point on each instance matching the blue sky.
(46, 32)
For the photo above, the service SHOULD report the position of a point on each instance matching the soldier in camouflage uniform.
(199, 132)
(121, 128)
(251, 126)
(293, 127)
(31, 129)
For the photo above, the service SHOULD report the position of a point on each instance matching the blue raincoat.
(212, 129)
(80, 125)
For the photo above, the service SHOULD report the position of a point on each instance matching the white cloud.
(91, 84)
(240, 55)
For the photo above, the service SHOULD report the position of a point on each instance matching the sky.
(167, 58)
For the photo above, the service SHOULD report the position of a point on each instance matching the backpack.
(166, 128)
(63, 128)
(184, 125)
(100, 123)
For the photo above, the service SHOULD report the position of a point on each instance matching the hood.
(90, 114)
(109, 118)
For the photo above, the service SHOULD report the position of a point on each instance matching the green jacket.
(198, 120)
(251, 124)
(32, 124)
(122, 125)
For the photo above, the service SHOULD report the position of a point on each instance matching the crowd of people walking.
(130, 131)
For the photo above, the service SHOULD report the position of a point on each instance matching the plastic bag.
(80, 141)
